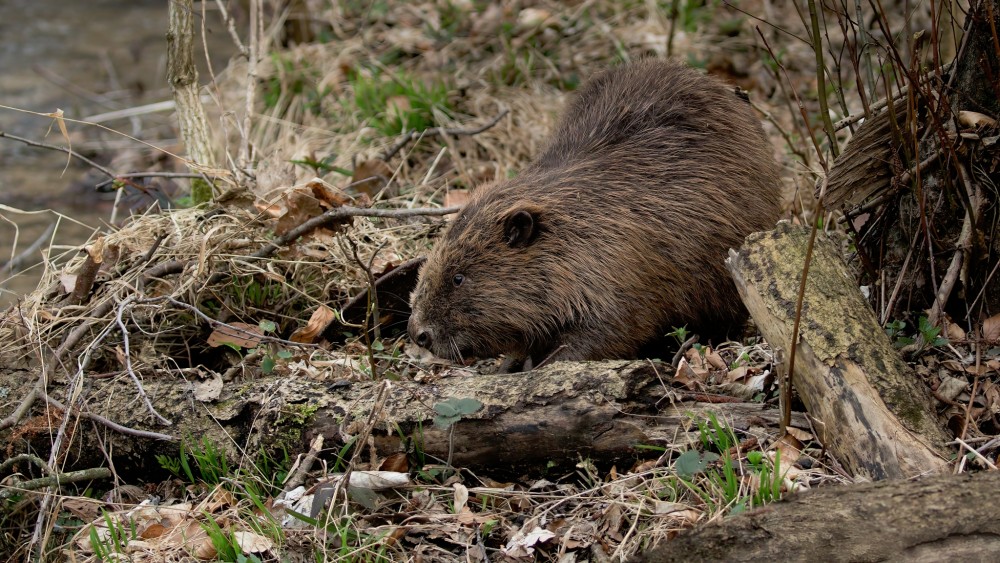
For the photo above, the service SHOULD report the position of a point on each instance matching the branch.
(70, 152)
(440, 131)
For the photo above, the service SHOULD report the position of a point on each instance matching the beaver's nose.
(422, 336)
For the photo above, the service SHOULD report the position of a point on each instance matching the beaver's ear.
(520, 228)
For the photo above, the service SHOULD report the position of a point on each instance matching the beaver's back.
(651, 175)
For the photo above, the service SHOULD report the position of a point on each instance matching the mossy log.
(559, 414)
(872, 412)
(935, 519)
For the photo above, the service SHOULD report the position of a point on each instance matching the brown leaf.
(737, 374)
(975, 119)
(330, 195)
(456, 198)
(242, 335)
(991, 328)
(715, 360)
(371, 176)
(87, 510)
(396, 462)
(300, 207)
(320, 319)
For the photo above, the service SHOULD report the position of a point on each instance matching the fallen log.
(559, 413)
(876, 417)
(940, 518)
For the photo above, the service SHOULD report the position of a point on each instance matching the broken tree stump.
(871, 411)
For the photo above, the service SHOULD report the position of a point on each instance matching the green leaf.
(691, 462)
(267, 365)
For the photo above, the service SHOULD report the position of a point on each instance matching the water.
(85, 57)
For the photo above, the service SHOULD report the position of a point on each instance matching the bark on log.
(872, 412)
(935, 519)
(559, 413)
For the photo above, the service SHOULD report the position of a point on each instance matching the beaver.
(616, 233)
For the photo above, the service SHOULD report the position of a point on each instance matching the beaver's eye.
(458, 279)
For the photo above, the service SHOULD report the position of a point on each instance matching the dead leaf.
(250, 542)
(242, 335)
(951, 387)
(86, 510)
(686, 376)
(300, 206)
(318, 321)
(210, 389)
(991, 328)
(952, 331)
(738, 374)
(975, 119)
(68, 282)
(799, 434)
(461, 496)
(955, 365)
(715, 360)
(456, 198)
(371, 176)
(330, 195)
(397, 462)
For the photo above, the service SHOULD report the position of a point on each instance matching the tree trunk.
(182, 74)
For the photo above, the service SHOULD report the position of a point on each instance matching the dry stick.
(441, 131)
(14, 264)
(786, 393)
(55, 480)
(821, 88)
(70, 152)
(298, 476)
(26, 457)
(964, 242)
(152, 175)
(128, 363)
(850, 119)
(111, 424)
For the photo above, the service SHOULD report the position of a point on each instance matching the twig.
(112, 425)
(14, 264)
(299, 475)
(978, 455)
(8, 463)
(70, 152)
(151, 175)
(231, 26)
(56, 480)
(684, 348)
(962, 248)
(441, 131)
(128, 363)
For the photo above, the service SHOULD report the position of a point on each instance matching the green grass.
(396, 103)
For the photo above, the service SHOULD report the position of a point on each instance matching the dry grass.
(506, 56)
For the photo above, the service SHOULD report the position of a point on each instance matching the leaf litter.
(513, 56)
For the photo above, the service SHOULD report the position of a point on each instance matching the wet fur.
(653, 173)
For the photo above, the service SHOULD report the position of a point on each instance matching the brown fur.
(615, 234)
